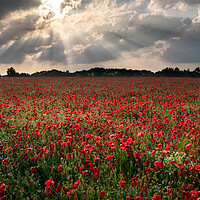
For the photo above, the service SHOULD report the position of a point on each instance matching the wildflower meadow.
(99, 138)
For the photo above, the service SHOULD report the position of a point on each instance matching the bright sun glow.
(51, 9)
(57, 9)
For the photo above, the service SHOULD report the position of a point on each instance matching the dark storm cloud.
(17, 52)
(186, 49)
(94, 54)
(17, 29)
(153, 28)
(182, 36)
(7, 6)
(124, 40)
(54, 53)
(139, 33)
(14, 33)
(104, 30)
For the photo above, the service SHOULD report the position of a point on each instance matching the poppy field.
(99, 138)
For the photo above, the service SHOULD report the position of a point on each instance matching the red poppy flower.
(102, 194)
(159, 164)
(156, 197)
(5, 160)
(159, 146)
(138, 198)
(121, 182)
(188, 146)
(69, 155)
(84, 172)
(70, 192)
(59, 187)
(59, 167)
(140, 134)
(48, 189)
(49, 182)
(96, 176)
(82, 167)
(3, 187)
(170, 191)
(109, 157)
(76, 183)
(32, 169)
(152, 152)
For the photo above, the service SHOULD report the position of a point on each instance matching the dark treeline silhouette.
(51, 73)
(111, 72)
(11, 72)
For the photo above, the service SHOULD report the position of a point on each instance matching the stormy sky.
(73, 35)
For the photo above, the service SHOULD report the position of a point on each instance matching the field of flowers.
(99, 138)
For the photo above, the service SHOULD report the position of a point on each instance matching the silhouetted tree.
(177, 69)
(197, 70)
(11, 72)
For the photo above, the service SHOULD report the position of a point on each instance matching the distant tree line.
(111, 72)
(11, 72)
